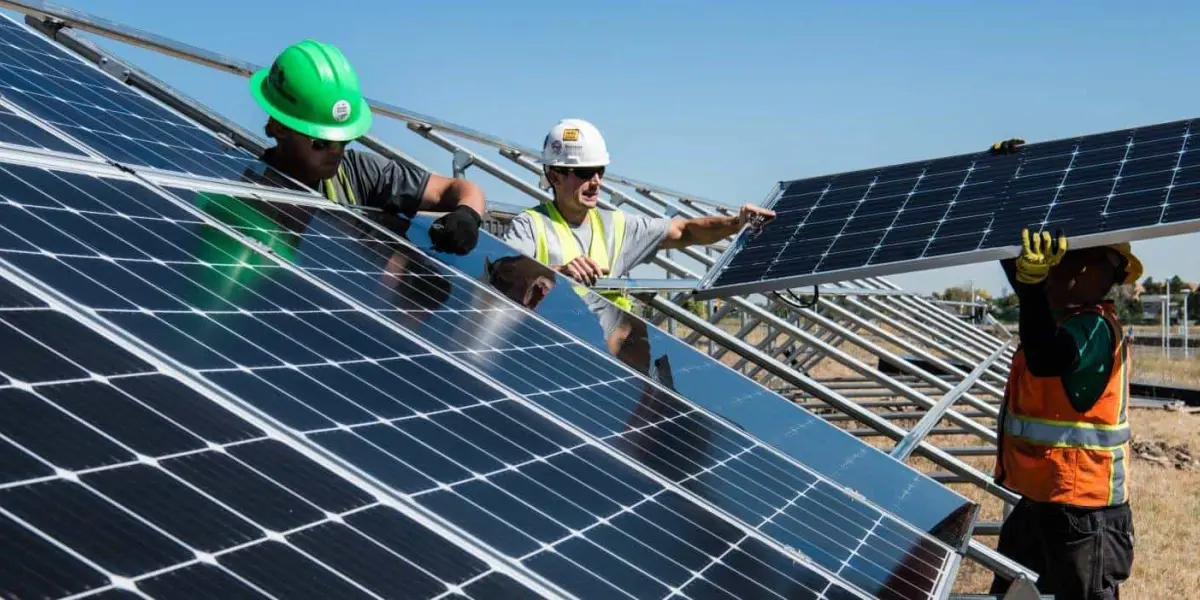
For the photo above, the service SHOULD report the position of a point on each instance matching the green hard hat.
(311, 88)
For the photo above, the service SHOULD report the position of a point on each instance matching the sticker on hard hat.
(570, 135)
(556, 147)
(341, 110)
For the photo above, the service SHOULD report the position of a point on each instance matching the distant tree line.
(1128, 302)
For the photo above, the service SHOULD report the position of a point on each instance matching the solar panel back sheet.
(1120, 185)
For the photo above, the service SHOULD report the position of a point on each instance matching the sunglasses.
(584, 173)
(322, 145)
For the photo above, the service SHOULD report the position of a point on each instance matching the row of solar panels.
(223, 394)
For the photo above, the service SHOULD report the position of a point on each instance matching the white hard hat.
(573, 143)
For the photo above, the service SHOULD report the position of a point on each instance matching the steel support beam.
(904, 449)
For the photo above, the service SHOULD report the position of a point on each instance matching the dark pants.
(1078, 553)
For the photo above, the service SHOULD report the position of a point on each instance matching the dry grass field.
(1166, 501)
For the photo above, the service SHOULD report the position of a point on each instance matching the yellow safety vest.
(343, 181)
(598, 252)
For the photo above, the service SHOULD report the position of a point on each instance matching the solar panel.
(116, 475)
(112, 119)
(766, 415)
(19, 131)
(553, 502)
(1115, 186)
(570, 380)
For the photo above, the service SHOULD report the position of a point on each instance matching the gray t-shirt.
(642, 237)
(378, 182)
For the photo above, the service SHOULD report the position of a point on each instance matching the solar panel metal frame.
(106, 171)
(710, 285)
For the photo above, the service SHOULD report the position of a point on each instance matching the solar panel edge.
(228, 401)
(731, 251)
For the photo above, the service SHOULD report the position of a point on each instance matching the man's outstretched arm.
(700, 231)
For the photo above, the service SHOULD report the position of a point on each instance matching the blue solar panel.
(1114, 186)
(397, 410)
(572, 381)
(766, 415)
(114, 120)
(116, 476)
(19, 131)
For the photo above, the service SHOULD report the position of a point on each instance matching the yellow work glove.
(1011, 146)
(1038, 255)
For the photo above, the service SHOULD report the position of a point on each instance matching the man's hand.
(1011, 146)
(1038, 255)
(583, 270)
(457, 231)
(751, 213)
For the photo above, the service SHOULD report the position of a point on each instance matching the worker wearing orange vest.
(1063, 433)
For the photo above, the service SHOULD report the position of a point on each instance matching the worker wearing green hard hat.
(315, 108)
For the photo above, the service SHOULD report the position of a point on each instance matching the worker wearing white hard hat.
(577, 238)
(562, 233)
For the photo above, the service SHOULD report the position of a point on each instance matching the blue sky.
(723, 99)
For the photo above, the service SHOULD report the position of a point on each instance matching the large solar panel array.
(289, 402)
(1113, 186)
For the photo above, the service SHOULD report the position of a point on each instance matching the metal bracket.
(462, 161)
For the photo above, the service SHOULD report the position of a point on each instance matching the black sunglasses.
(322, 145)
(584, 173)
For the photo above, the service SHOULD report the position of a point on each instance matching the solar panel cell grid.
(19, 131)
(395, 411)
(112, 119)
(596, 394)
(949, 209)
(117, 476)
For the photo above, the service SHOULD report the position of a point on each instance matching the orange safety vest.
(1048, 451)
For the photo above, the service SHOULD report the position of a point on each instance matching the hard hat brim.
(354, 128)
(1133, 266)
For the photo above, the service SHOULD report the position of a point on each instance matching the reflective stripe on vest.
(568, 248)
(343, 185)
(1049, 452)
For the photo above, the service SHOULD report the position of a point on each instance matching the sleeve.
(519, 234)
(1050, 351)
(386, 184)
(642, 237)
